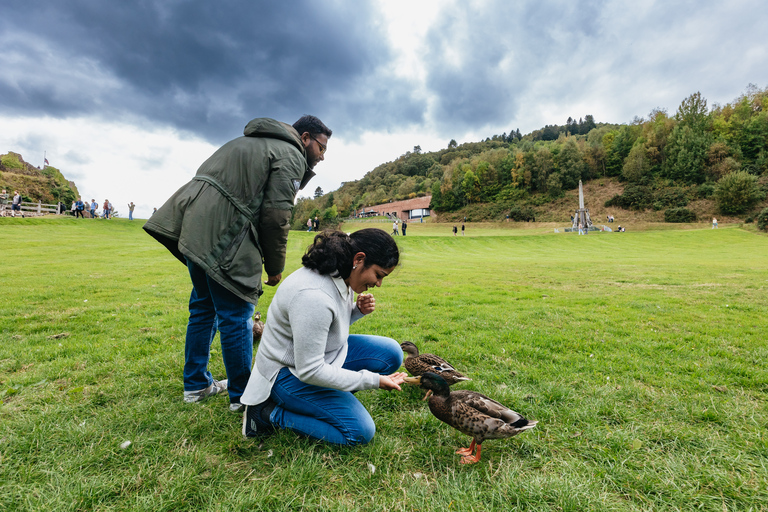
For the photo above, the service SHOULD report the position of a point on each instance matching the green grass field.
(642, 355)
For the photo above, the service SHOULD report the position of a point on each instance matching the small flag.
(46, 162)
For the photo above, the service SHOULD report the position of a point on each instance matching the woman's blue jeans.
(328, 414)
(212, 307)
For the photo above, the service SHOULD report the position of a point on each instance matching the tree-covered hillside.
(663, 161)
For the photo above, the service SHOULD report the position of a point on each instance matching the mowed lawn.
(642, 355)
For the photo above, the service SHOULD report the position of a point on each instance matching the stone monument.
(582, 214)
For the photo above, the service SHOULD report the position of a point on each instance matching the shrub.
(762, 220)
(524, 213)
(705, 190)
(749, 220)
(674, 197)
(635, 197)
(679, 215)
(11, 161)
(737, 192)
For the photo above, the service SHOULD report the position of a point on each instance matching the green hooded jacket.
(235, 214)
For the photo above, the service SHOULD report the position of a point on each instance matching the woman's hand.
(390, 382)
(366, 303)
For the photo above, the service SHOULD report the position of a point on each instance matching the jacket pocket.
(241, 261)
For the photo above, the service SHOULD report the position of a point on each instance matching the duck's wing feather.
(487, 406)
(436, 362)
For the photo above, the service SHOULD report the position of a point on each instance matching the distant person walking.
(462, 229)
(105, 208)
(131, 207)
(714, 223)
(405, 226)
(80, 208)
(455, 230)
(394, 228)
(316, 224)
(74, 208)
(94, 207)
(581, 228)
(309, 224)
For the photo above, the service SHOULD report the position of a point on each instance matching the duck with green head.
(418, 364)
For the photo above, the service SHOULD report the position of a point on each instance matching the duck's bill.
(413, 380)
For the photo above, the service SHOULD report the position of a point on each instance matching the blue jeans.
(329, 414)
(212, 307)
(130, 215)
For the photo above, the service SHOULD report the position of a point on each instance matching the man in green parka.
(224, 225)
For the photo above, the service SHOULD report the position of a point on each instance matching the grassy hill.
(47, 185)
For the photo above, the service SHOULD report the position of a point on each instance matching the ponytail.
(332, 251)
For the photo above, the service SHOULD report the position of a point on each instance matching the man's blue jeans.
(212, 307)
(328, 414)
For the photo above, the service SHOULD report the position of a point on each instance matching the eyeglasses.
(323, 147)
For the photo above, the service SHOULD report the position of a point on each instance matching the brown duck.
(258, 327)
(418, 364)
(471, 413)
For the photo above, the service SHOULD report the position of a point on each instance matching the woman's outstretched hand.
(390, 382)
(366, 303)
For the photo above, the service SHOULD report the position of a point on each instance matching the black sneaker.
(256, 419)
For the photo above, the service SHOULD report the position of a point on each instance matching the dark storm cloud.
(481, 62)
(203, 66)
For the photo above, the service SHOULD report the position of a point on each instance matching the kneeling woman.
(308, 366)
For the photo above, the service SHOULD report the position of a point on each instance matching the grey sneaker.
(217, 387)
(236, 408)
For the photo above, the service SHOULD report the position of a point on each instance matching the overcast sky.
(128, 98)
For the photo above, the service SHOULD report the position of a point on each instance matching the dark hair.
(312, 125)
(332, 251)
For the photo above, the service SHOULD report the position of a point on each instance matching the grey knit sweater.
(306, 330)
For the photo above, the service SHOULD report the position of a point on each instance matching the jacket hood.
(265, 127)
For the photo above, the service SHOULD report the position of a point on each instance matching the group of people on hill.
(80, 207)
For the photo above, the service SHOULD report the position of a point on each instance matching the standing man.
(16, 203)
(94, 207)
(232, 218)
(405, 226)
(131, 206)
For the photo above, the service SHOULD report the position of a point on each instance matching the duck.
(471, 413)
(418, 364)
(258, 327)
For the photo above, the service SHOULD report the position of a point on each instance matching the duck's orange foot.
(464, 451)
(468, 459)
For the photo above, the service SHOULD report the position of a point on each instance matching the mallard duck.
(258, 327)
(471, 413)
(418, 364)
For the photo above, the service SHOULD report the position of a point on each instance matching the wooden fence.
(29, 209)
